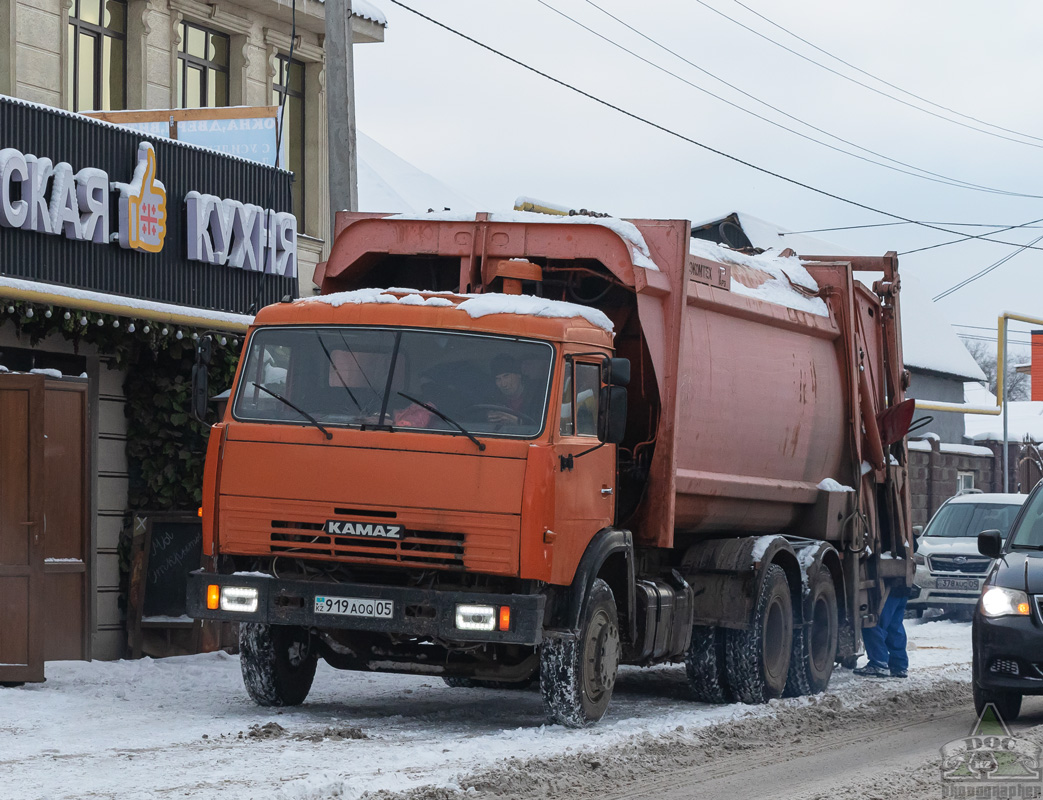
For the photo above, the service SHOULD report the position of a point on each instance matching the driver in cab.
(515, 402)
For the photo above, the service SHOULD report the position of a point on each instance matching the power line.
(881, 80)
(695, 142)
(862, 84)
(984, 238)
(937, 177)
(1026, 226)
(982, 273)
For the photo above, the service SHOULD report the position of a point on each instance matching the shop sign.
(52, 199)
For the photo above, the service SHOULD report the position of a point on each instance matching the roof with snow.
(1024, 418)
(929, 342)
(389, 183)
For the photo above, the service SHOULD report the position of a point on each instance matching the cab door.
(586, 469)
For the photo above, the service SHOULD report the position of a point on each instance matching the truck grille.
(416, 548)
(965, 565)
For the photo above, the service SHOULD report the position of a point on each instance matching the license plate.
(970, 584)
(355, 607)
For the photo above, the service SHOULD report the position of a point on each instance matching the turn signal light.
(213, 597)
(1023, 609)
(505, 618)
(199, 513)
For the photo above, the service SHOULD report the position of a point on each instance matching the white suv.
(949, 568)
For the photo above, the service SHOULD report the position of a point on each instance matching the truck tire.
(704, 664)
(278, 663)
(758, 658)
(815, 643)
(577, 675)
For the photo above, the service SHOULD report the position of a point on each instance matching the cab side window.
(568, 426)
(588, 385)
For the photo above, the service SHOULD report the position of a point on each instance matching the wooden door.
(66, 546)
(21, 528)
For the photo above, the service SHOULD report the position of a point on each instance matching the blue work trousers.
(885, 644)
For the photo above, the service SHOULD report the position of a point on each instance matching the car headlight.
(919, 559)
(998, 601)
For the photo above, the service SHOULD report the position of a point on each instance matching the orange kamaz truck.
(569, 443)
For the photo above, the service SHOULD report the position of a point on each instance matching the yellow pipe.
(155, 314)
(1001, 366)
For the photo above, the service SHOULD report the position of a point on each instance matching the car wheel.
(1008, 704)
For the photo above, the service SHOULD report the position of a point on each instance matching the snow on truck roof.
(475, 305)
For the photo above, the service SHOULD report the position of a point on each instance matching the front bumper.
(936, 590)
(421, 613)
(1008, 652)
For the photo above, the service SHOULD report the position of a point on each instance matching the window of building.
(289, 81)
(964, 482)
(97, 55)
(202, 75)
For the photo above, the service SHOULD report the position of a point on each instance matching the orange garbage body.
(737, 407)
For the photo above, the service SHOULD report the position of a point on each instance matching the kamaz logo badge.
(367, 530)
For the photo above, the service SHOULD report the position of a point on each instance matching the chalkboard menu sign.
(174, 549)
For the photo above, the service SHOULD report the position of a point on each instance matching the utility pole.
(340, 110)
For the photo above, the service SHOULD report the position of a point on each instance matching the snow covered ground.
(184, 727)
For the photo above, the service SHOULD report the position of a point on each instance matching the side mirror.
(612, 414)
(200, 379)
(917, 530)
(990, 543)
(616, 371)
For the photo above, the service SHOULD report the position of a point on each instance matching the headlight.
(919, 559)
(239, 598)
(1000, 602)
(476, 618)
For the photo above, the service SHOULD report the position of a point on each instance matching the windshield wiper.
(454, 423)
(1023, 546)
(300, 411)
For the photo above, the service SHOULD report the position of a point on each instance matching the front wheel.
(1008, 704)
(278, 663)
(758, 658)
(577, 675)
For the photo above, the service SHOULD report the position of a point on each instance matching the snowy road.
(183, 727)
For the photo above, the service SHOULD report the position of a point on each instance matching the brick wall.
(934, 467)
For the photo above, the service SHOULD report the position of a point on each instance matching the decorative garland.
(165, 446)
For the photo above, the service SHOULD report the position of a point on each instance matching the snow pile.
(1024, 418)
(475, 305)
(766, 277)
(50, 373)
(627, 231)
(830, 485)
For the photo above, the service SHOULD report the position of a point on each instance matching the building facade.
(112, 55)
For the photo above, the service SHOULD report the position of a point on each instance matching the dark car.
(1008, 623)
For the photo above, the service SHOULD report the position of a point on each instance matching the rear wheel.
(577, 675)
(815, 643)
(758, 658)
(278, 663)
(704, 664)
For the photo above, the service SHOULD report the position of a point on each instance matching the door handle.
(606, 492)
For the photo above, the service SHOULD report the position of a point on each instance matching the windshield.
(1029, 532)
(373, 377)
(970, 519)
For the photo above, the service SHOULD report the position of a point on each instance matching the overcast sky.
(495, 131)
